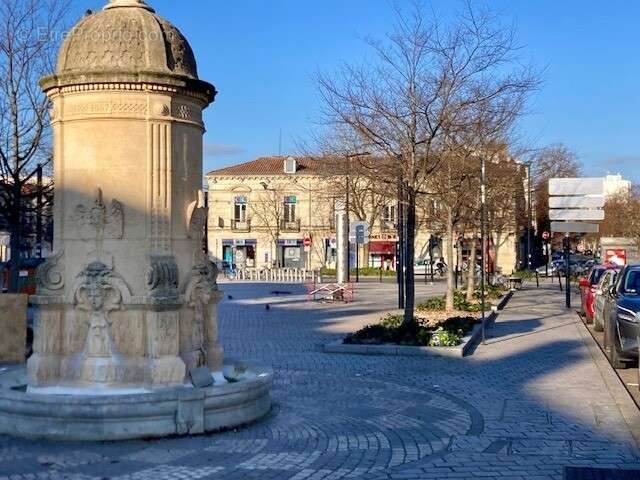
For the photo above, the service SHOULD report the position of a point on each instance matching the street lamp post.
(348, 226)
(483, 240)
(529, 216)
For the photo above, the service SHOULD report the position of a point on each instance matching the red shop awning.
(382, 248)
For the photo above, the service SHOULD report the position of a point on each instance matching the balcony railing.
(290, 226)
(241, 226)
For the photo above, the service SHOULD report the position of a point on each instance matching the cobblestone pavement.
(524, 405)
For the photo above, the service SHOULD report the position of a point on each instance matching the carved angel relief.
(199, 293)
(98, 222)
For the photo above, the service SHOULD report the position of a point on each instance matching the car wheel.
(614, 356)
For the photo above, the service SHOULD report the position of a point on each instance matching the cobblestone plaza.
(526, 404)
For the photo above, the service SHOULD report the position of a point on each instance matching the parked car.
(550, 270)
(588, 286)
(574, 267)
(623, 317)
(601, 298)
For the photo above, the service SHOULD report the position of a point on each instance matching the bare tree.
(621, 217)
(267, 208)
(416, 93)
(554, 161)
(29, 33)
(448, 206)
(505, 190)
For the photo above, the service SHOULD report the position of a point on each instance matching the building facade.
(278, 212)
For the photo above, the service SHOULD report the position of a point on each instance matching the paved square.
(525, 405)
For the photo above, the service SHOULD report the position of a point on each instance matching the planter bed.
(459, 351)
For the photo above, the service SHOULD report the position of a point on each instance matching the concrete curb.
(623, 399)
(468, 342)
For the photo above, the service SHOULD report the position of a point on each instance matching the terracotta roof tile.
(271, 166)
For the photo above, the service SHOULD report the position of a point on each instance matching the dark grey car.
(624, 322)
(602, 301)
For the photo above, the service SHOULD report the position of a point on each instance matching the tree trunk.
(401, 246)
(496, 253)
(410, 293)
(471, 274)
(450, 273)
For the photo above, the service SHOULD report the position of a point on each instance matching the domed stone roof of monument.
(126, 37)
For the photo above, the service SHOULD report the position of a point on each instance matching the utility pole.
(529, 216)
(348, 226)
(567, 269)
(483, 241)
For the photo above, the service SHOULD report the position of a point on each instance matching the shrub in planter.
(433, 303)
(391, 330)
(445, 338)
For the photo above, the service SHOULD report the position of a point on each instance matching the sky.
(262, 56)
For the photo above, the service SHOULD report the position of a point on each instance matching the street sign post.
(359, 233)
(546, 236)
(574, 227)
(572, 202)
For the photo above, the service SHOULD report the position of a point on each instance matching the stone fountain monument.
(127, 306)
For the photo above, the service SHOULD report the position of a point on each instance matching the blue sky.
(262, 54)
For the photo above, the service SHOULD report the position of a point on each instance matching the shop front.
(291, 254)
(382, 251)
(241, 253)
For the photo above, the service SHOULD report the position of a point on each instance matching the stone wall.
(13, 328)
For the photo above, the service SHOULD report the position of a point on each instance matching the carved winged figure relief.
(98, 222)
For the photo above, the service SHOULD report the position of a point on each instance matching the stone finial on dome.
(128, 3)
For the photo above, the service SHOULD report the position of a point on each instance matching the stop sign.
(307, 241)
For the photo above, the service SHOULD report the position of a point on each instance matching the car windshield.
(632, 283)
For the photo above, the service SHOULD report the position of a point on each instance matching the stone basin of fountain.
(91, 415)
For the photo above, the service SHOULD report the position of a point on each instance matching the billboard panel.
(576, 202)
(576, 186)
(576, 214)
(574, 227)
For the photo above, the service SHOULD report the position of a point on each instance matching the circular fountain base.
(163, 412)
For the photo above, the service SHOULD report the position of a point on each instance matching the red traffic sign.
(307, 241)
(546, 235)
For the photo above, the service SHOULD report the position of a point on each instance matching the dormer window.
(290, 166)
